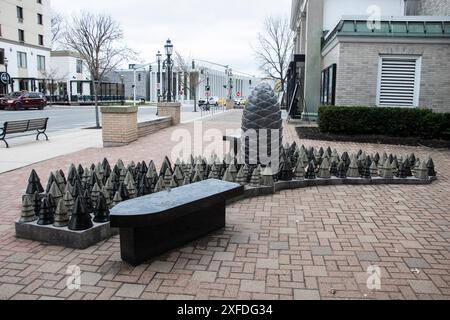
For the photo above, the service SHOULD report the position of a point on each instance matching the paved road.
(67, 118)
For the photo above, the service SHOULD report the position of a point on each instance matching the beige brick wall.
(150, 127)
(119, 128)
(331, 56)
(357, 74)
(434, 7)
(172, 110)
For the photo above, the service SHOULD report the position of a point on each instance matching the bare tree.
(97, 39)
(192, 80)
(57, 26)
(274, 47)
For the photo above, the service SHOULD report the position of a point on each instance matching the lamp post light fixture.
(158, 76)
(169, 63)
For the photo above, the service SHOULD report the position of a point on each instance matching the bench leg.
(142, 244)
(39, 134)
(4, 140)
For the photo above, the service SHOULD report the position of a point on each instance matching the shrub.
(396, 122)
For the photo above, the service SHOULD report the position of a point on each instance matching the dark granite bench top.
(162, 206)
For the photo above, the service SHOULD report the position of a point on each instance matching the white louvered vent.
(398, 84)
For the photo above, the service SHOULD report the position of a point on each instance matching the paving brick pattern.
(314, 243)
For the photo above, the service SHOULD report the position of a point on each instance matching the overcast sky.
(217, 30)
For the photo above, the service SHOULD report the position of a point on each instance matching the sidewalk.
(26, 150)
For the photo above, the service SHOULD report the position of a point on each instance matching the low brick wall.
(119, 126)
(170, 109)
(149, 127)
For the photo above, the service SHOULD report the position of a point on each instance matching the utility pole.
(208, 91)
(7, 75)
(134, 87)
(230, 83)
(136, 67)
(158, 76)
(195, 84)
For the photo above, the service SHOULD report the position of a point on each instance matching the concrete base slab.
(65, 237)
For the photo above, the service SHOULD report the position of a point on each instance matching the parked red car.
(23, 100)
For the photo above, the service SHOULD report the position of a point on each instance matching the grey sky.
(215, 30)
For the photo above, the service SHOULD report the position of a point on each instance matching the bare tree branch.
(274, 45)
(97, 39)
(57, 27)
(193, 79)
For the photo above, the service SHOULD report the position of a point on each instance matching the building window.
(328, 86)
(39, 19)
(399, 81)
(41, 39)
(20, 13)
(2, 56)
(41, 63)
(79, 66)
(21, 59)
(21, 35)
(24, 85)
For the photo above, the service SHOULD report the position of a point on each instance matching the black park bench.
(22, 126)
(154, 224)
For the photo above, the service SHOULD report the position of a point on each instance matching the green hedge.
(395, 122)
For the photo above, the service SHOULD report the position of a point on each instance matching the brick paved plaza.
(312, 243)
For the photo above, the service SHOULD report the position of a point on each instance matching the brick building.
(373, 53)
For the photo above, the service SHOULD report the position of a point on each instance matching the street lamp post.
(134, 87)
(123, 90)
(169, 50)
(6, 70)
(230, 84)
(208, 90)
(158, 76)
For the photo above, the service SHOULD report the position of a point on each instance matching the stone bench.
(152, 225)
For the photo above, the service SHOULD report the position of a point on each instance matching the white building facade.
(25, 44)
(186, 87)
(191, 85)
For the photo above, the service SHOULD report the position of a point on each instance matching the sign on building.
(5, 78)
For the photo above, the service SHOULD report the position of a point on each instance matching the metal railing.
(211, 110)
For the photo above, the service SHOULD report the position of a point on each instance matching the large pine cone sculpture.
(262, 112)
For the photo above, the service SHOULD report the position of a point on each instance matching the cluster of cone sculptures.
(87, 194)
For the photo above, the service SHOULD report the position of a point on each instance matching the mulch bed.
(315, 134)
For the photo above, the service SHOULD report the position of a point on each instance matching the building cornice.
(394, 28)
(24, 44)
(65, 53)
(381, 39)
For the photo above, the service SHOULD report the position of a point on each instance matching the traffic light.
(150, 68)
(208, 88)
(193, 65)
